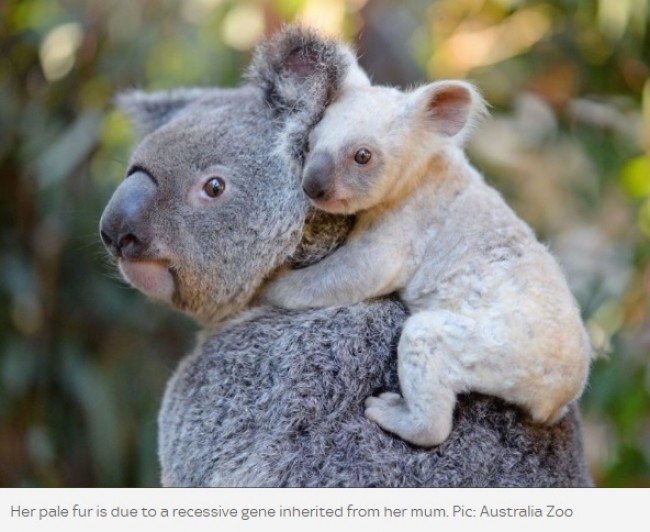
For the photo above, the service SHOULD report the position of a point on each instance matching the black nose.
(120, 243)
(125, 226)
(318, 177)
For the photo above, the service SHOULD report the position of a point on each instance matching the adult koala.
(210, 208)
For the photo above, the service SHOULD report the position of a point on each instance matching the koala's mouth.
(153, 278)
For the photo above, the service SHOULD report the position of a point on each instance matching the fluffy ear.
(297, 67)
(149, 111)
(300, 73)
(450, 107)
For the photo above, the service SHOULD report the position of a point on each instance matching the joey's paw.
(277, 292)
(265, 296)
(385, 399)
(283, 294)
(386, 410)
(391, 412)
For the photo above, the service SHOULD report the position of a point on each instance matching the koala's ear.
(297, 68)
(149, 111)
(450, 107)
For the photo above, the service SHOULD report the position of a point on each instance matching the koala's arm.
(366, 266)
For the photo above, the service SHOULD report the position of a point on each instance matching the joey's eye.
(214, 187)
(362, 156)
(306, 147)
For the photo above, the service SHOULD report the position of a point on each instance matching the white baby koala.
(490, 309)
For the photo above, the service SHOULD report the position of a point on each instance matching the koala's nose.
(317, 180)
(124, 226)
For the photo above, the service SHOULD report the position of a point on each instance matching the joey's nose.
(125, 226)
(318, 177)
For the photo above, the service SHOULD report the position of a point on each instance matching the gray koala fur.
(276, 399)
(271, 397)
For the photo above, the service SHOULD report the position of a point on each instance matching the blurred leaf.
(18, 367)
(35, 14)
(644, 218)
(70, 149)
(630, 468)
(635, 177)
(86, 385)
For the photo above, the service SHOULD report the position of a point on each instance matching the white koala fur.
(491, 310)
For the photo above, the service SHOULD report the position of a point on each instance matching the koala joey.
(490, 309)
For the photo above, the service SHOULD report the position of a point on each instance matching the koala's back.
(484, 266)
(276, 399)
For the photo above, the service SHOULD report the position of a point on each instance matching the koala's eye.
(363, 156)
(306, 147)
(214, 187)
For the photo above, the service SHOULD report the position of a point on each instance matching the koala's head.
(374, 142)
(205, 211)
(211, 203)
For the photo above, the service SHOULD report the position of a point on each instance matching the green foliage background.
(84, 359)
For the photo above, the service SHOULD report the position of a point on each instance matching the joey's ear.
(149, 111)
(450, 107)
(299, 69)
